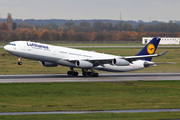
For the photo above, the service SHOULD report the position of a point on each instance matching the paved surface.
(101, 78)
(80, 78)
(83, 112)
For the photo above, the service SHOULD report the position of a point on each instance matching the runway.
(101, 78)
(84, 112)
(80, 78)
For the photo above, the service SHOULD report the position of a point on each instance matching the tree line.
(99, 26)
(99, 31)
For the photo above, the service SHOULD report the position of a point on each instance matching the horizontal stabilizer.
(148, 64)
(165, 63)
(163, 53)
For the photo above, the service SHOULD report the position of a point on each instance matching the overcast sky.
(146, 10)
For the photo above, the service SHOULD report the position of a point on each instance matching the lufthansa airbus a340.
(88, 61)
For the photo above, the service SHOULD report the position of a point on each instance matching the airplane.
(88, 61)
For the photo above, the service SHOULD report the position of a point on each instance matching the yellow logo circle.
(150, 48)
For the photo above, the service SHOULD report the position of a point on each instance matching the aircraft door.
(54, 52)
(23, 47)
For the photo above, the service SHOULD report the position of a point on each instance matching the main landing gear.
(90, 74)
(20, 63)
(72, 72)
(85, 73)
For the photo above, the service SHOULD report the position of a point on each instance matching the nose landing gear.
(20, 63)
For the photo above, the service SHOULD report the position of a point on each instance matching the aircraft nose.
(6, 47)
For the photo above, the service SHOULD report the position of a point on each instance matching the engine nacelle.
(48, 64)
(149, 64)
(84, 64)
(120, 62)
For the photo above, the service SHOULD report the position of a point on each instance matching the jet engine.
(84, 64)
(120, 62)
(149, 64)
(48, 64)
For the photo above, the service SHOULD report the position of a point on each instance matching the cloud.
(91, 9)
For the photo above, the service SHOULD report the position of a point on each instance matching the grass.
(19, 97)
(98, 116)
(8, 63)
(91, 96)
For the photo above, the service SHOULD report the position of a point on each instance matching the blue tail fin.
(150, 48)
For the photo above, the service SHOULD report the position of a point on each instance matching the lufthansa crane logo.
(150, 49)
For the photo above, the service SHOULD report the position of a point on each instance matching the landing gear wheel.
(19, 63)
(95, 74)
(75, 74)
(90, 74)
(84, 74)
(72, 73)
(69, 73)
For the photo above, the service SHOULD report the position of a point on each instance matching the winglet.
(163, 53)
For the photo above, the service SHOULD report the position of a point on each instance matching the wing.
(95, 61)
(101, 61)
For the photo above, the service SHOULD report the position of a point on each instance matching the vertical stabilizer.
(150, 48)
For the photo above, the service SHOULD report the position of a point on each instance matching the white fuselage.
(63, 55)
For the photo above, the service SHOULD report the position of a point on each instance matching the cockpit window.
(12, 44)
